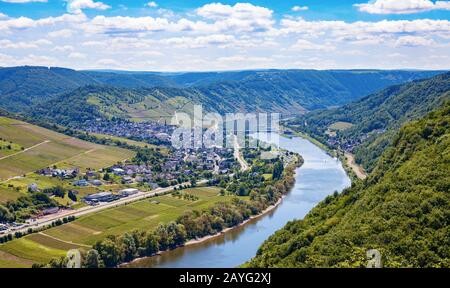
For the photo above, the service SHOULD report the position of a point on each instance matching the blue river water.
(319, 176)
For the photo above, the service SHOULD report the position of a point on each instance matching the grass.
(141, 215)
(27, 249)
(44, 148)
(8, 148)
(47, 147)
(128, 141)
(340, 126)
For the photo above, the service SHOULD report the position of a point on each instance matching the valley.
(88, 164)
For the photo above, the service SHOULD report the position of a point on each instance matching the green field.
(340, 126)
(86, 230)
(43, 148)
(128, 141)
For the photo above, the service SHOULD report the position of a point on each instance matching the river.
(319, 176)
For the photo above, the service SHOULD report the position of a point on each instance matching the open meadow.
(86, 230)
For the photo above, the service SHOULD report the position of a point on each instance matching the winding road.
(238, 155)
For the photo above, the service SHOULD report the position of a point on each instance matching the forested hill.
(372, 122)
(402, 209)
(21, 87)
(285, 91)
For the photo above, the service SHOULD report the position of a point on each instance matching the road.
(24, 150)
(238, 155)
(47, 220)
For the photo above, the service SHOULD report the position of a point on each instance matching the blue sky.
(171, 35)
(325, 9)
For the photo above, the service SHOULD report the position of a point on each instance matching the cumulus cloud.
(241, 16)
(299, 8)
(219, 36)
(152, 4)
(8, 44)
(63, 33)
(303, 44)
(77, 6)
(65, 48)
(402, 6)
(414, 41)
(77, 55)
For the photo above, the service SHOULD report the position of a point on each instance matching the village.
(149, 132)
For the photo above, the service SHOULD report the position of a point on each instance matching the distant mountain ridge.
(376, 118)
(287, 91)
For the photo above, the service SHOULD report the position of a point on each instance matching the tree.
(5, 215)
(93, 259)
(277, 170)
(129, 247)
(151, 244)
(72, 196)
(106, 177)
(109, 252)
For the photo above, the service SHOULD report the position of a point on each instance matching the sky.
(188, 35)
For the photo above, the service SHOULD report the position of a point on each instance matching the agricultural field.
(43, 147)
(37, 148)
(8, 148)
(128, 141)
(340, 126)
(86, 230)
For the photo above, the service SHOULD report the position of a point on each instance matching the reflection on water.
(320, 176)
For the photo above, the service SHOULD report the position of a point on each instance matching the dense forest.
(402, 209)
(286, 91)
(376, 118)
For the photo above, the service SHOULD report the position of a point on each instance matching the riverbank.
(354, 170)
(241, 243)
(206, 238)
(209, 237)
(297, 164)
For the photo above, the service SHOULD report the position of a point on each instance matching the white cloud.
(76, 6)
(8, 44)
(402, 6)
(77, 55)
(65, 48)
(303, 44)
(241, 16)
(38, 60)
(202, 41)
(152, 4)
(108, 63)
(414, 41)
(217, 37)
(63, 33)
(299, 8)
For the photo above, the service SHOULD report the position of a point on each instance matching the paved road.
(238, 155)
(39, 223)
